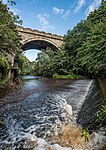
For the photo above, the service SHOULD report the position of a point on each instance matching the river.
(37, 109)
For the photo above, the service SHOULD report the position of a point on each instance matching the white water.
(32, 122)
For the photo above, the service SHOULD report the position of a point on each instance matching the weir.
(43, 105)
(91, 106)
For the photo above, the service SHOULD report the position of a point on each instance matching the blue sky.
(54, 16)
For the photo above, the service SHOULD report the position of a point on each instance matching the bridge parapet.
(38, 39)
(39, 33)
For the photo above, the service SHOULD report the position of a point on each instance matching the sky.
(54, 16)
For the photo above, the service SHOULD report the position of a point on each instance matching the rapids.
(35, 112)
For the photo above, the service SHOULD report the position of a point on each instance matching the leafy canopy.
(86, 43)
(9, 39)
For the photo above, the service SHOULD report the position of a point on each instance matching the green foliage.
(9, 39)
(85, 134)
(4, 67)
(101, 116)
(86, 44)
(23, 64)
(69, 76)
(52, 62)
(26, 67)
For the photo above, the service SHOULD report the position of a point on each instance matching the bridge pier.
(13, 72)
(14, 68)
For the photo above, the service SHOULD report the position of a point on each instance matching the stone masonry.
(38, 39)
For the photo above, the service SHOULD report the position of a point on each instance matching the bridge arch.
(38, 39)
(38, 43)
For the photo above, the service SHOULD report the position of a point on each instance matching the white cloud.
(66, 14)
(44, 23)
(79, 5)
(42, 19)
(61, 12)
(46, 15)
(58, 11)
(94, 5)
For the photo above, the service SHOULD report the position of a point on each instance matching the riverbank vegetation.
(9, 39)
(4, 67)
(101, 117)
(25, 66)
(69, 76)
(86, 43)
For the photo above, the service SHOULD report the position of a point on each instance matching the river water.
(35, 111)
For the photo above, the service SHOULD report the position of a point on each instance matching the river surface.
(37, 108)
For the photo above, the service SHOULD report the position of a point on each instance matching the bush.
(69, 76)
(55, 76)
(4, 67)
(101, 117)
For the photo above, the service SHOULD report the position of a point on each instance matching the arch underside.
(38, 44)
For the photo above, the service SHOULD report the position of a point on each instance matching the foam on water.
(32, 122)
(20, 138)
(47, 123)
(32, 142)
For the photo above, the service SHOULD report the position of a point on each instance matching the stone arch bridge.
(34, 39)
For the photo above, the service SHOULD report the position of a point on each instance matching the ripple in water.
(29, 124)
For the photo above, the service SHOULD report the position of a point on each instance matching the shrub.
(101, 117)
(4, 67)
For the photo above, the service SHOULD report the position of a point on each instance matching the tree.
(86, 43)
(9, 39)
(4, 67)
(52, 62)
(24, 64)
(9, 42)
